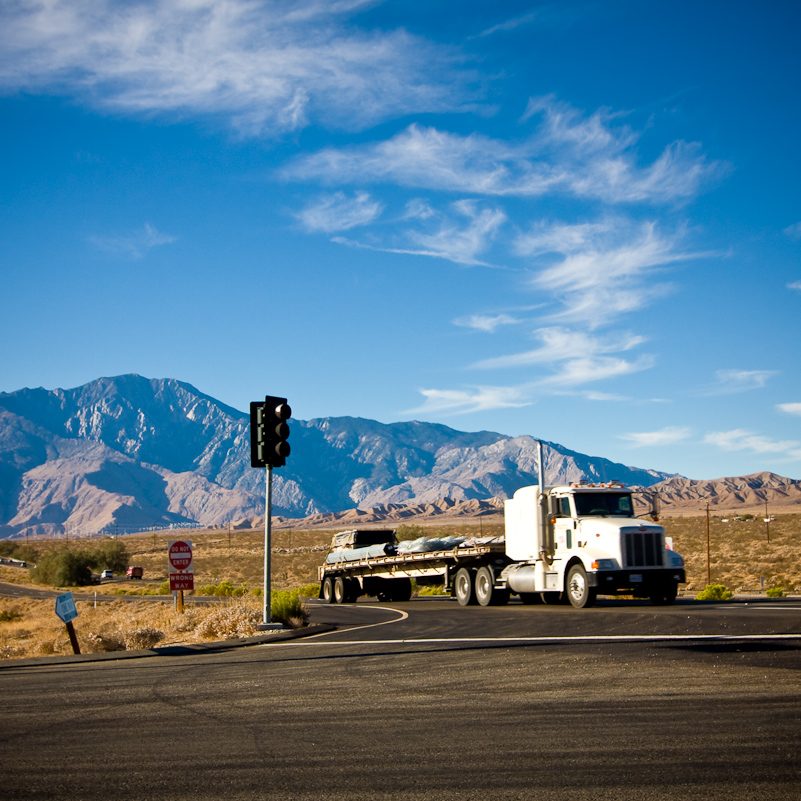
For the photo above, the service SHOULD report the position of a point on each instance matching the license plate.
(635, 578)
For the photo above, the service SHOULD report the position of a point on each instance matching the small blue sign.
(65, 607)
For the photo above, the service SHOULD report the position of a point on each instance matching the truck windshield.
(603, 504)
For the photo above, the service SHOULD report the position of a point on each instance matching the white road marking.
(618, 638)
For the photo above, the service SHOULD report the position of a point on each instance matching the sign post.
(182, 576)
(65, 609)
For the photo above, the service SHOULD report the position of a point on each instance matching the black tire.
(578, 589)
(327, 590)
(530, 597)
(665, 595)
(340, 590)
(401, 589)
(352, 590)
(484, 586)
(464, 587)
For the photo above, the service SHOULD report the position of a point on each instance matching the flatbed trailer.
(389, 577)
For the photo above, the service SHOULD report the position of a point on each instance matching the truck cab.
(580, 540)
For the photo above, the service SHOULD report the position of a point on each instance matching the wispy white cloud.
(791, 408)
(741, 440)
(338, 212)
(729, 382)
(793, 231)
(585, 370)
(474, 399)
(601, 268)
(511, 24)
(266, 65)
(568, 153)
(486, 322)
(463, 240)
(560, 344)
(665, 436)
(460, 237)
(134, 245)
(794, 285)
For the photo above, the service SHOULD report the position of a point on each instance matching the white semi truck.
(564, 543)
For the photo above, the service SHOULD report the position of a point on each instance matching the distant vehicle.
(134, 572)
(107, 574)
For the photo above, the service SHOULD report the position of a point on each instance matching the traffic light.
(269, 432)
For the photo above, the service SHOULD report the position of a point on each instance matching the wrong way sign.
(179, 555)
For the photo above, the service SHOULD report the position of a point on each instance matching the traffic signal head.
(269, 432)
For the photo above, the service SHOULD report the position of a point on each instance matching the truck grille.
(642, 549)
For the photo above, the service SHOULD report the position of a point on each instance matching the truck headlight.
(675, 559)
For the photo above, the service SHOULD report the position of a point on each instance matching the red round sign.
(180, 555)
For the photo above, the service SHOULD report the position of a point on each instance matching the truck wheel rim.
(577, 586)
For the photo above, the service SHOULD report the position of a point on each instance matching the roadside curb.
(171, 650)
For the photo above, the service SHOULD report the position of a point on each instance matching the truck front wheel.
(579, 592)
(464, 587)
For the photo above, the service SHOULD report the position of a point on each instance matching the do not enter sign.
(179, 555)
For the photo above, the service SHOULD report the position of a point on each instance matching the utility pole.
(708, 567)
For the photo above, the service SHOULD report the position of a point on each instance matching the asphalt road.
(426, 700)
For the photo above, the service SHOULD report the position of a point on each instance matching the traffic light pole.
(267, 623)
(268, 513)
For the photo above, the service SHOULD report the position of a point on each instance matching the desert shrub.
(18, 550)
(287, 607)
(225, 589)
(145, 637)
(775, 592)
(11, 652)
(230, 622)
(111, 554)
(9, 615)
(64, 568)
(101, 643)
(309, 591)
(409, 532)
(714, 592)
(433, 589)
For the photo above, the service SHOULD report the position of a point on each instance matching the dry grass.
(34, 630)
(740, 556)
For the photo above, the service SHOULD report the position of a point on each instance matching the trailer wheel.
(327, 593)
(401, 589)
(665, 595)
(487, 594)
(340, 590)
(464, 587)
(579, 592)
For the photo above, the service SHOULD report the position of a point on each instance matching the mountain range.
(131, 453)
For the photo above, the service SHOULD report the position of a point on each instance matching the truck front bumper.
(636, 581)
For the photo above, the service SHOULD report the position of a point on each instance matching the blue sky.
(579, 221)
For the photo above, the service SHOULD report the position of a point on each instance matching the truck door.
(563, 524)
